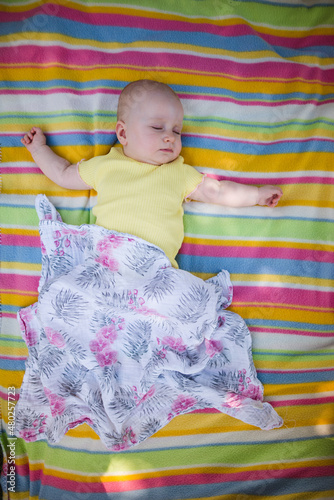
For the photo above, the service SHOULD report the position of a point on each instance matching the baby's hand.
(269, 195)
(34, 139)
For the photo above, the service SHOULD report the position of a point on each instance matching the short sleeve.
(87, 170)
(192, 180)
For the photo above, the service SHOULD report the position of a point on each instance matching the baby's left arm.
(233, 194)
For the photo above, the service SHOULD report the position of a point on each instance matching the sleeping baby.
(141, 187)
(120, 338)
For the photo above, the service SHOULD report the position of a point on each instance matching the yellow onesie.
(141, 199)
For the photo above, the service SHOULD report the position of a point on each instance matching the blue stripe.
(234, 265)
(216, 144)
(293, 325)
(13, 364)
(295, 377)
(115, 34)
(250, 148)
(21, 254)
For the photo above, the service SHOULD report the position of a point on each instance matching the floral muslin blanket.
(121, 340)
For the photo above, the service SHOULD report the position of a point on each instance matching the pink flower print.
(55, 338)
(174, 343)
(26, 315)
(108, 332)
(57, 234)
(67, 243)
(103, 245)
(254, 392)
(43, 249)
(28, 434)
(31, 336)
(57, 403)
(107, 261)
(233, 400)
(98, 344)
(213, 347)
(82, 420)
(115, 240)
(183, 403)
(38, 427)
(106, 357)
(149, 394)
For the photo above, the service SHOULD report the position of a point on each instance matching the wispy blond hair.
(136, 91)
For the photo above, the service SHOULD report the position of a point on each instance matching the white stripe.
(300, 174)
(61, 202)
(286, 285)
(303, 212)
(20, 272)
(267, 341)
(316, 395)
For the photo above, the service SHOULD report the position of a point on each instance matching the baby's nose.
(169, 137)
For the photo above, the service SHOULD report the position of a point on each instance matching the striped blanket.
(256, 80)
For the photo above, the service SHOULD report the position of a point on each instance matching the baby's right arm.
(56, 168)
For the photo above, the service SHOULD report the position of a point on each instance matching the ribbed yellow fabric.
(141, 199)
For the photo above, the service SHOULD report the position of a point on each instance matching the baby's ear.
(121, 132)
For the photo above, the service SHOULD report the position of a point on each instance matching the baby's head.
(149, 122)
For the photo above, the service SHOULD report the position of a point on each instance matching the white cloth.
(123, 341)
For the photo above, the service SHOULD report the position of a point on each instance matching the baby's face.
(153, 129)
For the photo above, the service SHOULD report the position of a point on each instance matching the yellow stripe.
(14, 352)
(19, 231)
(304, 388)
(282, 313)
(21, 266)
(19, 300)
(294, 364)
(296, 162)
(209, 158)
(134, 73)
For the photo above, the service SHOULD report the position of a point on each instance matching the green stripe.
(258, 228)
(259, 13)
(177, 457)
(25, 216)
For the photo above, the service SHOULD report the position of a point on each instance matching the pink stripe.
(20, 240)
(257, 252)
(25, 283)
(32, 55)
(285, 295)
(302, 402)
(20, 170)
(285, 331)
(4, 395)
